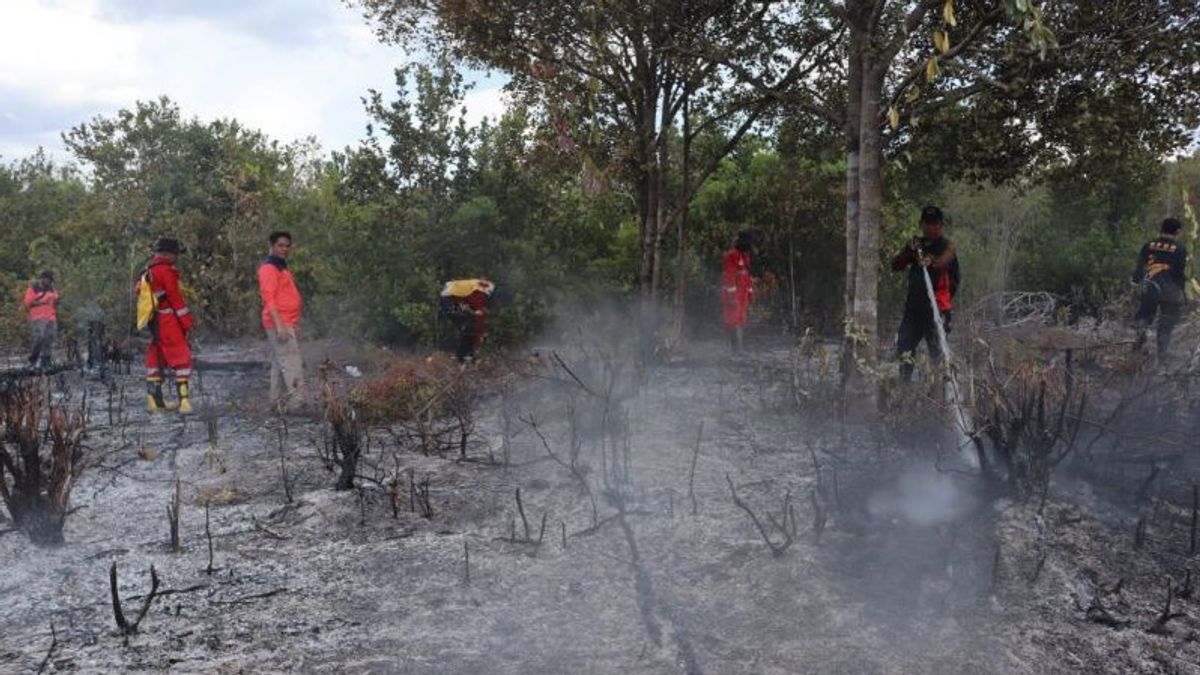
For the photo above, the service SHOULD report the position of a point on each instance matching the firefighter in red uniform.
(466, 301)
(737, 288)
(169, 348)
(932, 251)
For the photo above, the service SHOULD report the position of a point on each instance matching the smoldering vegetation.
(575, 508)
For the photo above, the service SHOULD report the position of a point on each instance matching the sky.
(291, 68)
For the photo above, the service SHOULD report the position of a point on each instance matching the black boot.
(154, 397)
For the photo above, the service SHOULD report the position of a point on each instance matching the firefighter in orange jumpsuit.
(41, 299)
(737, 288)
(169, 348)
(465, 301)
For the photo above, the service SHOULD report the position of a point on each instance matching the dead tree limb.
(562, 364)
(255, 596)
(283, 474)
(820, 515)
(118, 615)
(996, 567)
(776, 549)
(1185, 592)
(466, 562)
(208, 534)
(1096, 612)
(1037, 569)
(267, 531)
(692, 471)
(1143, 493)
(49, 652)
(521, 511)
(423, 500)
(126, 627)
(572, 468)
(174, 591)
(173, 518)
(528, 538)
(1159, 627)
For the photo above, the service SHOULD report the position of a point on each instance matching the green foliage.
(795, 204)
(215, 186)
(576, 193)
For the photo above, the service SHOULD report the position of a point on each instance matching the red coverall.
(170, 326)
(737, 288)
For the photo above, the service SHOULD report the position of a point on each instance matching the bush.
(410, 386)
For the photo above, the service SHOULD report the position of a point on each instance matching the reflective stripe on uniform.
(183, 311)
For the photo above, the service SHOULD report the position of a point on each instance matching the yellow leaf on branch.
(931, 69)
(941, 40)
(894, 117)
(948, 13)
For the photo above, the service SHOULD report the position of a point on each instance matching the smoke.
(922, 495)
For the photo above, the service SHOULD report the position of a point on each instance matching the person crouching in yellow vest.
(465, 302)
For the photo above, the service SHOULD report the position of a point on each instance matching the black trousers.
(915, 327)
(465, 323)
(1166, 300)
(41, 342)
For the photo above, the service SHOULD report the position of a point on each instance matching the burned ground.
(918, 569)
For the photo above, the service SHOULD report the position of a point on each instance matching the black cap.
(745, 240)
(47, 275)
(931, 214)
(1171, 226)
(167, 245)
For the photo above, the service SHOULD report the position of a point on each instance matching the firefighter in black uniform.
(934, 252)
(1161, 275)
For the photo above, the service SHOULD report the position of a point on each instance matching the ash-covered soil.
(916, 570)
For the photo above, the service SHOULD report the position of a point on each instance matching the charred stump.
(36, 480)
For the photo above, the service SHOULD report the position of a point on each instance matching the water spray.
(950, 385)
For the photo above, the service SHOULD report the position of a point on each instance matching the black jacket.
(1162, 260)
(945, 281)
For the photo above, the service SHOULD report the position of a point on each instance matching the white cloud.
(60, 52)
(482, 103)
(63, 62)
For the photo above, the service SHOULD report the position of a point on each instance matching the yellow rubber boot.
(185, 404)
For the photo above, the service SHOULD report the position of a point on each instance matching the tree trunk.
(865, 309)
(851, 131)
(660, 226)
(681, 226)
(648, 180)
(648, 208)
(795, 327)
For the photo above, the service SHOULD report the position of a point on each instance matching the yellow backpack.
(145, 301)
